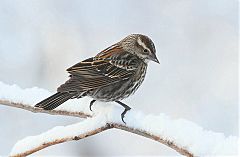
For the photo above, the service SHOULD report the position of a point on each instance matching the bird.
(111, 76)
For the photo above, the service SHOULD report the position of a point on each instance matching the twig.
(39, 110)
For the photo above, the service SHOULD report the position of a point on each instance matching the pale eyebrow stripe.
(142, 44)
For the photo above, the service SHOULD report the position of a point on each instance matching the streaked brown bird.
(112, 75)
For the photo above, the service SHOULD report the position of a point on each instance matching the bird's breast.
(121, 89)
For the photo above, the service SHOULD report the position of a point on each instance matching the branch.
(39, 110)
(181, 135)
(55, 136)
(181, 150)
(79, 131)
(62, 139)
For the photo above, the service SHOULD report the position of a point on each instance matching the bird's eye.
(145, 50)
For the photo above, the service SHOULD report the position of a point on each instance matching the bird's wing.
(99, 71)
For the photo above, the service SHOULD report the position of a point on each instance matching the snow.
(15, 94)
(31, 96)
(182, 132)
(58, 132)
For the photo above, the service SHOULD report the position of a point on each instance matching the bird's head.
(140, 45)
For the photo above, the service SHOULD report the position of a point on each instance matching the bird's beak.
(153, 57)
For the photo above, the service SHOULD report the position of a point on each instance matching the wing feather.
(99, 71)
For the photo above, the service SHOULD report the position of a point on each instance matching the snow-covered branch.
(57, 135)
(181, 135)
(39, 110)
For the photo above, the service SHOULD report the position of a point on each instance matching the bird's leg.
(91, 103)
(127, 108)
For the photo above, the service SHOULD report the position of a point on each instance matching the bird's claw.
(91, 103)
(123, 114)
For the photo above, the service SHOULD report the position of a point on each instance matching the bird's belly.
(119, 90)
(116, 91)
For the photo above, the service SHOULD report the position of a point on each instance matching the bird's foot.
(91, 103)
(126, 108)
(123, 114)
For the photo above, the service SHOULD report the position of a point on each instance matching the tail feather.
(54, 101)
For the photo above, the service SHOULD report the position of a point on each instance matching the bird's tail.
(54, 101)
